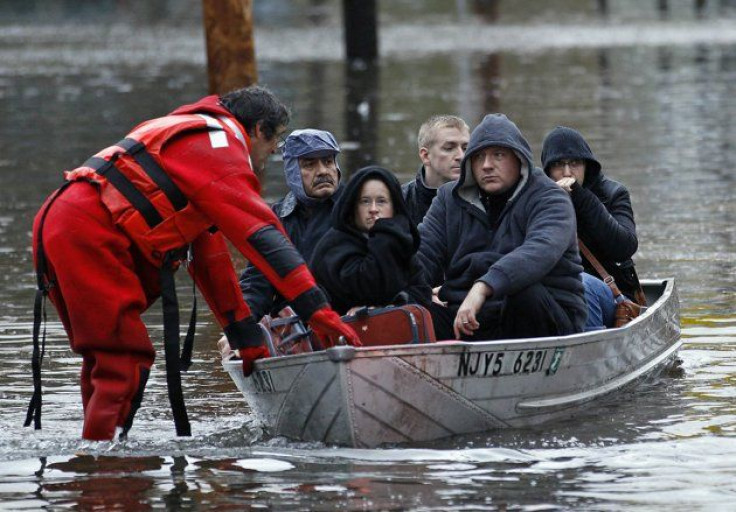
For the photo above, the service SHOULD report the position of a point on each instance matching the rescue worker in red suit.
(103, 246)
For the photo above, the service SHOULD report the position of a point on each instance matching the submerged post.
(361, 37)
(231, 56)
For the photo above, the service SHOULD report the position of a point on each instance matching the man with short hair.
(313, 175)
(106, 245)
(442, 141)
(501, 242)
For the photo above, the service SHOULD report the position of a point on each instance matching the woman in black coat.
(368, 257)
(603, 210)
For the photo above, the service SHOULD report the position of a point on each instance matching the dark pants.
(531, 313)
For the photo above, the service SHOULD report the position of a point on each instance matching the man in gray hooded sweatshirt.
(313, 176)
(501, 242)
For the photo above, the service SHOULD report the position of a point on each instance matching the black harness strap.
(39, 314)
(138, 151)
(186, 351)
(136, 401)
(140, 202)
(171, 348)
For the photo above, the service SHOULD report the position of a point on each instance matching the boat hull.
(365, 397)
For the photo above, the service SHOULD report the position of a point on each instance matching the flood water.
(654, 92)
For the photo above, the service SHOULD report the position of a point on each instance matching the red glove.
(327, 324)
(250, 354)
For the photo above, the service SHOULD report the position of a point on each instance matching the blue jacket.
(532, 241)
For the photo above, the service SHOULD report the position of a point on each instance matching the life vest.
(143, 200)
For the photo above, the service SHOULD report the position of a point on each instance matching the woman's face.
(374, 202)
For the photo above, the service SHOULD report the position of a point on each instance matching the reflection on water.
(598, 476)
(656, 100)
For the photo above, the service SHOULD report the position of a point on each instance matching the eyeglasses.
(572, 164)
(281, 143)
(380, 202)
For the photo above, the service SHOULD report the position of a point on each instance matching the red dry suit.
(102, 255)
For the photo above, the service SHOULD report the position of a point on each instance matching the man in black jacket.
(501, 242)
(442, 141)
(605, 218)
(313, 176)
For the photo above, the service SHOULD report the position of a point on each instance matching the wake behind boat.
(368, 396)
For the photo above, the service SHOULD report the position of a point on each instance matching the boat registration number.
(263, 382)
(500, 363)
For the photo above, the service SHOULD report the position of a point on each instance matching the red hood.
(208, 104)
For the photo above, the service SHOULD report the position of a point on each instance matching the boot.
(117, 381)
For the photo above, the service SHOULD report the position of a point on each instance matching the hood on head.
(343, 213)
(564, 143)
(494, 130)
(311, 143)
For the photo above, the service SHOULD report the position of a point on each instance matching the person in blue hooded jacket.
(313, 175)
(501, 242)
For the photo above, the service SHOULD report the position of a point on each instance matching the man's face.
(319, 175)
(496, 169)
(568, 168)
(442, 158)
(263, 147)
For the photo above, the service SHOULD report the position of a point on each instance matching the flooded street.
(653, 91)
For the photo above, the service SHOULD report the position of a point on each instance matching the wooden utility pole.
(361, 34)
(231, 56)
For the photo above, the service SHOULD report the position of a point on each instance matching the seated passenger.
(503, 238)
(368, 257)
(601, 303)
(603, 210)
(442, 141)
(313, 176)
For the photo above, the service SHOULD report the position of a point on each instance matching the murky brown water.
(656, 97)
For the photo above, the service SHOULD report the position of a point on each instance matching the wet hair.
(256, 103)
(428, 130)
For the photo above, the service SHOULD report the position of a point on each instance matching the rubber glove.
(250, 354)
(327, 324)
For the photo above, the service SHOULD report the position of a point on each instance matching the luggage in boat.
(392, 325)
